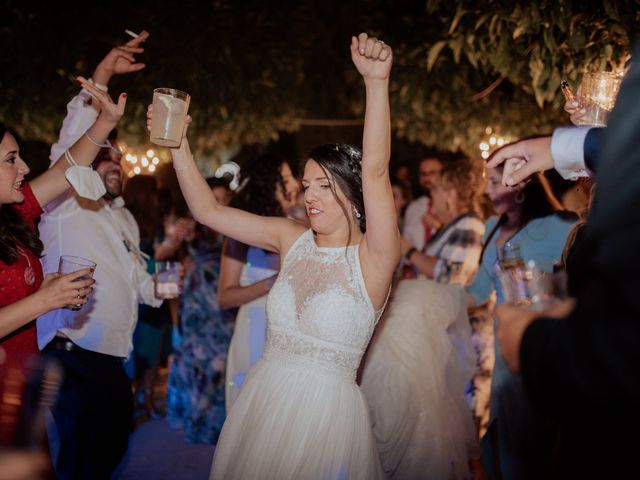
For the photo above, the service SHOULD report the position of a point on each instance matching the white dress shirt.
(109, 236)
(567, 151)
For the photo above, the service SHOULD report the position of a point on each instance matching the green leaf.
(434, 52)
(517, 32)
(577, 41)
(611, 10)
(456, 48)
(459, 13)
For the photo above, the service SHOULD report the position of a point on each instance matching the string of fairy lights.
(137, 162)
(140, 162)
(491, 141)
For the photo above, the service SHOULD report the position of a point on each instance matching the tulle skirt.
(297, 420)
(417, 368)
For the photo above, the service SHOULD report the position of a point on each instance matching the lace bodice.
(319, 312)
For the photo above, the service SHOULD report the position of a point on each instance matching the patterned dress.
(201, 340)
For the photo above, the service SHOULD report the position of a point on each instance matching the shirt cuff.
(567, 151)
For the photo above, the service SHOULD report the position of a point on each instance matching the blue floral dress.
(195, 399)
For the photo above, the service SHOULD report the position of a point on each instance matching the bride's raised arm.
(269, 233)
(381, 242)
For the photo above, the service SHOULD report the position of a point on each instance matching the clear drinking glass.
(598, 92)
(170, 106)
(167, 279)
(510, 256)
(70, 264)
(531, 284)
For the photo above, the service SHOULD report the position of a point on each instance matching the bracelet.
(411, 251)
(106, 144)
(103, 145)
(70, 160)
(182, 169)
(99, 86)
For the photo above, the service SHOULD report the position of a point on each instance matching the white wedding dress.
(300, 414)
(420, 361)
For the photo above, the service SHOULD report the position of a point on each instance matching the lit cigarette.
(133, 34)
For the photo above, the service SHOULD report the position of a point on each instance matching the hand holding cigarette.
(121, 59)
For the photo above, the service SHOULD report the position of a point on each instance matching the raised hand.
(109, 111)
(372, 57)
(121, 60)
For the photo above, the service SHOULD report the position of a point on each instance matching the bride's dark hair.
(342, 164)
(14, 230)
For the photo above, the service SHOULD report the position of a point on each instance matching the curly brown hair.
(465, 177)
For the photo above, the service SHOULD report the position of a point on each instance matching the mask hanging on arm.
(84, 180)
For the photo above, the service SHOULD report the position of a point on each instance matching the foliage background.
(257, 69)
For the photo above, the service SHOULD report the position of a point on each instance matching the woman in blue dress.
(195, 399)
(528, 215)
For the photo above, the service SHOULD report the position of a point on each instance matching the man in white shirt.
(418, 224)
(93, 411)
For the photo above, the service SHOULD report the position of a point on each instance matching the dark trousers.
(92, 414)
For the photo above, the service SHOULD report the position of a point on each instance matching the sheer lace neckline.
(330, 249)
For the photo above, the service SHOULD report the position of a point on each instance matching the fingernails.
(361, 51)
(124, 95)
(92, 269)
(509, 181)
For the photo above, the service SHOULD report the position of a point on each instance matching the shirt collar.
(117, 202)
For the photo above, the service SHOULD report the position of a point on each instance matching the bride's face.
(324, 211)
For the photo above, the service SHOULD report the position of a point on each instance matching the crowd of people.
(333, 343)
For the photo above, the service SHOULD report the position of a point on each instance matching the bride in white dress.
(300, 414)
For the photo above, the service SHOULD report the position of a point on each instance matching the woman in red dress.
(24, 293)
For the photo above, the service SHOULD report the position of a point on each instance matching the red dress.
(15, 286)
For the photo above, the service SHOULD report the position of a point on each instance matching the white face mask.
(84, 180)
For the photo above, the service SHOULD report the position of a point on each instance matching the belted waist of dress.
(309, 354)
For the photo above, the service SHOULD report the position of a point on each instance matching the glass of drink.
(70, 264)
(167, 279)
(598, 92)
(530, 285)
(170, 106)
(510, 256)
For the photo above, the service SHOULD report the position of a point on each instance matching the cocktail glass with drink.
(597, 93)
(70, 264)
(168, 279)
(170, 106)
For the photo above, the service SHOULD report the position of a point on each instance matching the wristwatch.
(411, 251)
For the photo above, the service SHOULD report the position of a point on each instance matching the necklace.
(29, 273)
